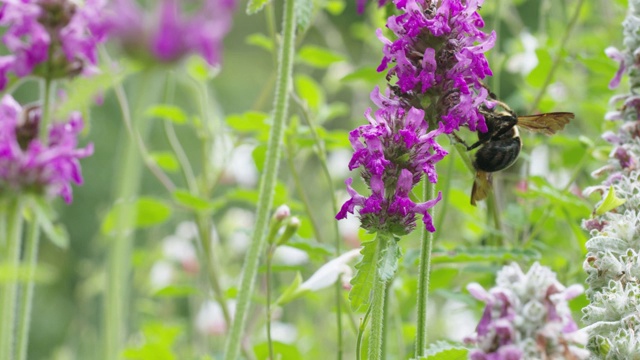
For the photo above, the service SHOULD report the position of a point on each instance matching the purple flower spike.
(26, 165)
(393, 150)
(526, 317)
(171, 34)
(450, 76)
(50, 38)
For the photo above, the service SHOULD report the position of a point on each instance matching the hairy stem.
(267, 184)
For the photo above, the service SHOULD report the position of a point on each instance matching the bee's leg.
(459, 140)
(477, 143)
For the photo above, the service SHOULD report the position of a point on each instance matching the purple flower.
(439, 54)
(394, 151)
(26, 164)
(526, 317)
(50, 38)
(170, 34)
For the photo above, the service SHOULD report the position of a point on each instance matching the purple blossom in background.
(439, 54)
(26, 165)
(527, 316)
(169, 34)
(393, 150)
(50, 38)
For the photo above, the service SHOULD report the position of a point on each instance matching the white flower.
(329, 273)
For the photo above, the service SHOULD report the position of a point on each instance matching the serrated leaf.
(165, 160)
(149, 212)
(442, 350)
(291, 292)
(388, 263)
(255, 6)
(610, 202)
(260, 40)
(318, 57)
(167, 112)
(465, 255)
(45, 217)
(303, 10)
(362, 282)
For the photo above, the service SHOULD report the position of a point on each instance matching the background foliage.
(540, 210)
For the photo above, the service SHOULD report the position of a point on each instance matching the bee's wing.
(548, 123)
(481, 187)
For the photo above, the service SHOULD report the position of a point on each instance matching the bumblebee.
(500, 146)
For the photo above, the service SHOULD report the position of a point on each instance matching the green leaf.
(388, 263)
(465, 255)
(191, 201)
(260, 40)
(442, 350)
(250, 196)
(312, 248)
(200, 70)
(167, 112)
(334, 7)
(368, 74)
(259, 155)
(255, 6)
(291, 292)
(303, 10)
(610, 202)
(310, 91)
(362, 282)
(537, 77)
(165, 160)
(46, 216)
(83, 91)
(249, 122)
(158, 341)
(280, 351)
(149, 212)
(173, 291)
(318, 57)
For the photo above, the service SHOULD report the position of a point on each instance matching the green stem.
(267, 184)
(10, 291)
(322, 155)
(379, 288)
(361, 330)
(426, 246)
(558, 57)
(268, 300)
(45, 121)
(120, 245)
(31, 260)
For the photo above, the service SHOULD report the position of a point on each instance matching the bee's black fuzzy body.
(500, 145)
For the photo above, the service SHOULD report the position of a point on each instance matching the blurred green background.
(541, 223)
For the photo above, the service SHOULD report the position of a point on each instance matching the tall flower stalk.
(267, 182)
(30, 169)
(435, 65)
(612, 262)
